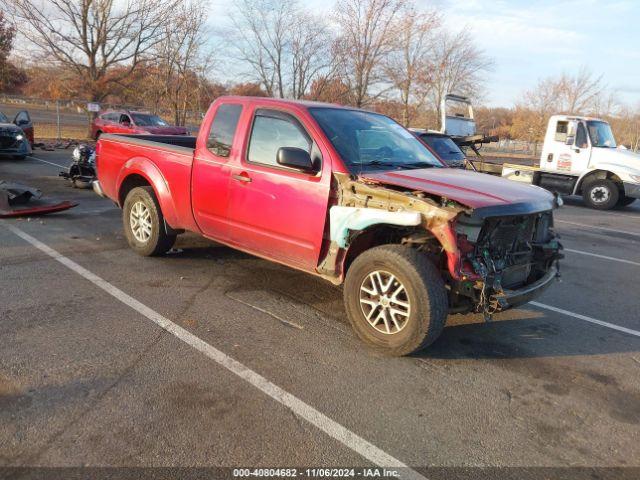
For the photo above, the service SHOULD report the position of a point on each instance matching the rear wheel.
(144, 223)
(395, 299)
(601, 194)
(19, 157)
(625, 201)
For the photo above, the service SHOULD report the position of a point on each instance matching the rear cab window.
(223, 129)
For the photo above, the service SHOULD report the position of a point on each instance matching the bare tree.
(310, 53)
(263, 29)
(408, 67)
(580, 92)
(182, 59)
(367, 37)
(458, 66)
(7, 35)
(91, 37)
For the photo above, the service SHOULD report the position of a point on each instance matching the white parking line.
(297, 406)
(586, 318)
(44, 161)
(606, 229)
(605, 257)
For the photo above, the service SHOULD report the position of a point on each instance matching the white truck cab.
(580, 157)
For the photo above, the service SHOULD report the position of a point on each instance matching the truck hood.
(166, 130)
(616, 156)
(486, 194)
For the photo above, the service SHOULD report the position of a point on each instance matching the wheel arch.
(139, 172)
(598, 174)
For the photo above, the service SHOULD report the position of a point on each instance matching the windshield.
(601, 134)
(146, 120)
(367, 140)
(3, 118)
(445, 148)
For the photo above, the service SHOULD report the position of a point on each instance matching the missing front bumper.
(513, 298)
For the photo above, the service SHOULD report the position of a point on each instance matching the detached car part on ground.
(16, 137)
(345, 194)
(17, 200)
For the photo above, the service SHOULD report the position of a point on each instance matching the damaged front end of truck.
(491, 258)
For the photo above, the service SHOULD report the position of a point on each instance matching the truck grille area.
(509, 250)
(7, 140)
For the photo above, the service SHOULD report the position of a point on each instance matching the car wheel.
(144, 223)
(395, 299)
(601, 194)
(624, 201)
(19, 157)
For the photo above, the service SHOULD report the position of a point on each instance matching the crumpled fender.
(345, 219)
(146, 168)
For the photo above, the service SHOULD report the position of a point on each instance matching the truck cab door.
(565, 151)
(581, 150)
(277, 211)
(211, 170)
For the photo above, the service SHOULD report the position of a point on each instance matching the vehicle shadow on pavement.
(526, 334)
(518, 333)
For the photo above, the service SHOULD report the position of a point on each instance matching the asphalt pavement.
(211, 357)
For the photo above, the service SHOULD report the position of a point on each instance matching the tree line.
(392, 56)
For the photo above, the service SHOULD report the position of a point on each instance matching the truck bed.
(182, 141)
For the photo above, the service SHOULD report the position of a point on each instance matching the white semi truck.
(580, 157)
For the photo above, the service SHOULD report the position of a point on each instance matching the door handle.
(241, 177)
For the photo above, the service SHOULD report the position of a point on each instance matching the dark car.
(125, 121)
(16, 137)
(444, 147)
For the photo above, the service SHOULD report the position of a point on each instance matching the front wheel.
(601, 194)
(144, 223)
(395, 299)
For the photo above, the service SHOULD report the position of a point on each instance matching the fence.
(514, 147)
(69, 119)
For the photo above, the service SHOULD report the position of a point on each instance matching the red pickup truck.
(345, 194)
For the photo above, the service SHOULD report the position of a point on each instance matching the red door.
(211, 170)
(275, 211)
(23, 120)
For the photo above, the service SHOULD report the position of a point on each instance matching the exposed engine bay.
(508, 252)
(489, 263)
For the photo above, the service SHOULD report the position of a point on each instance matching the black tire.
(601, 194)
(424, 291)
(19, 157)
(158, 241)
(625, 201)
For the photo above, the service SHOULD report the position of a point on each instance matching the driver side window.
(581, 137)
(269, 134)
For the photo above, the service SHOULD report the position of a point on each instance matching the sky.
(530, 40)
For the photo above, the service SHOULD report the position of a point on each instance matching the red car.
(348, 195)
(124, 121)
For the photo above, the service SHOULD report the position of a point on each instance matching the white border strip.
(586, 318)
(606, 229)
(293, 403)
(621, 260)
(44, 161)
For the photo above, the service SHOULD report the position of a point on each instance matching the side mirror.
(125, 122)
(295, 158)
